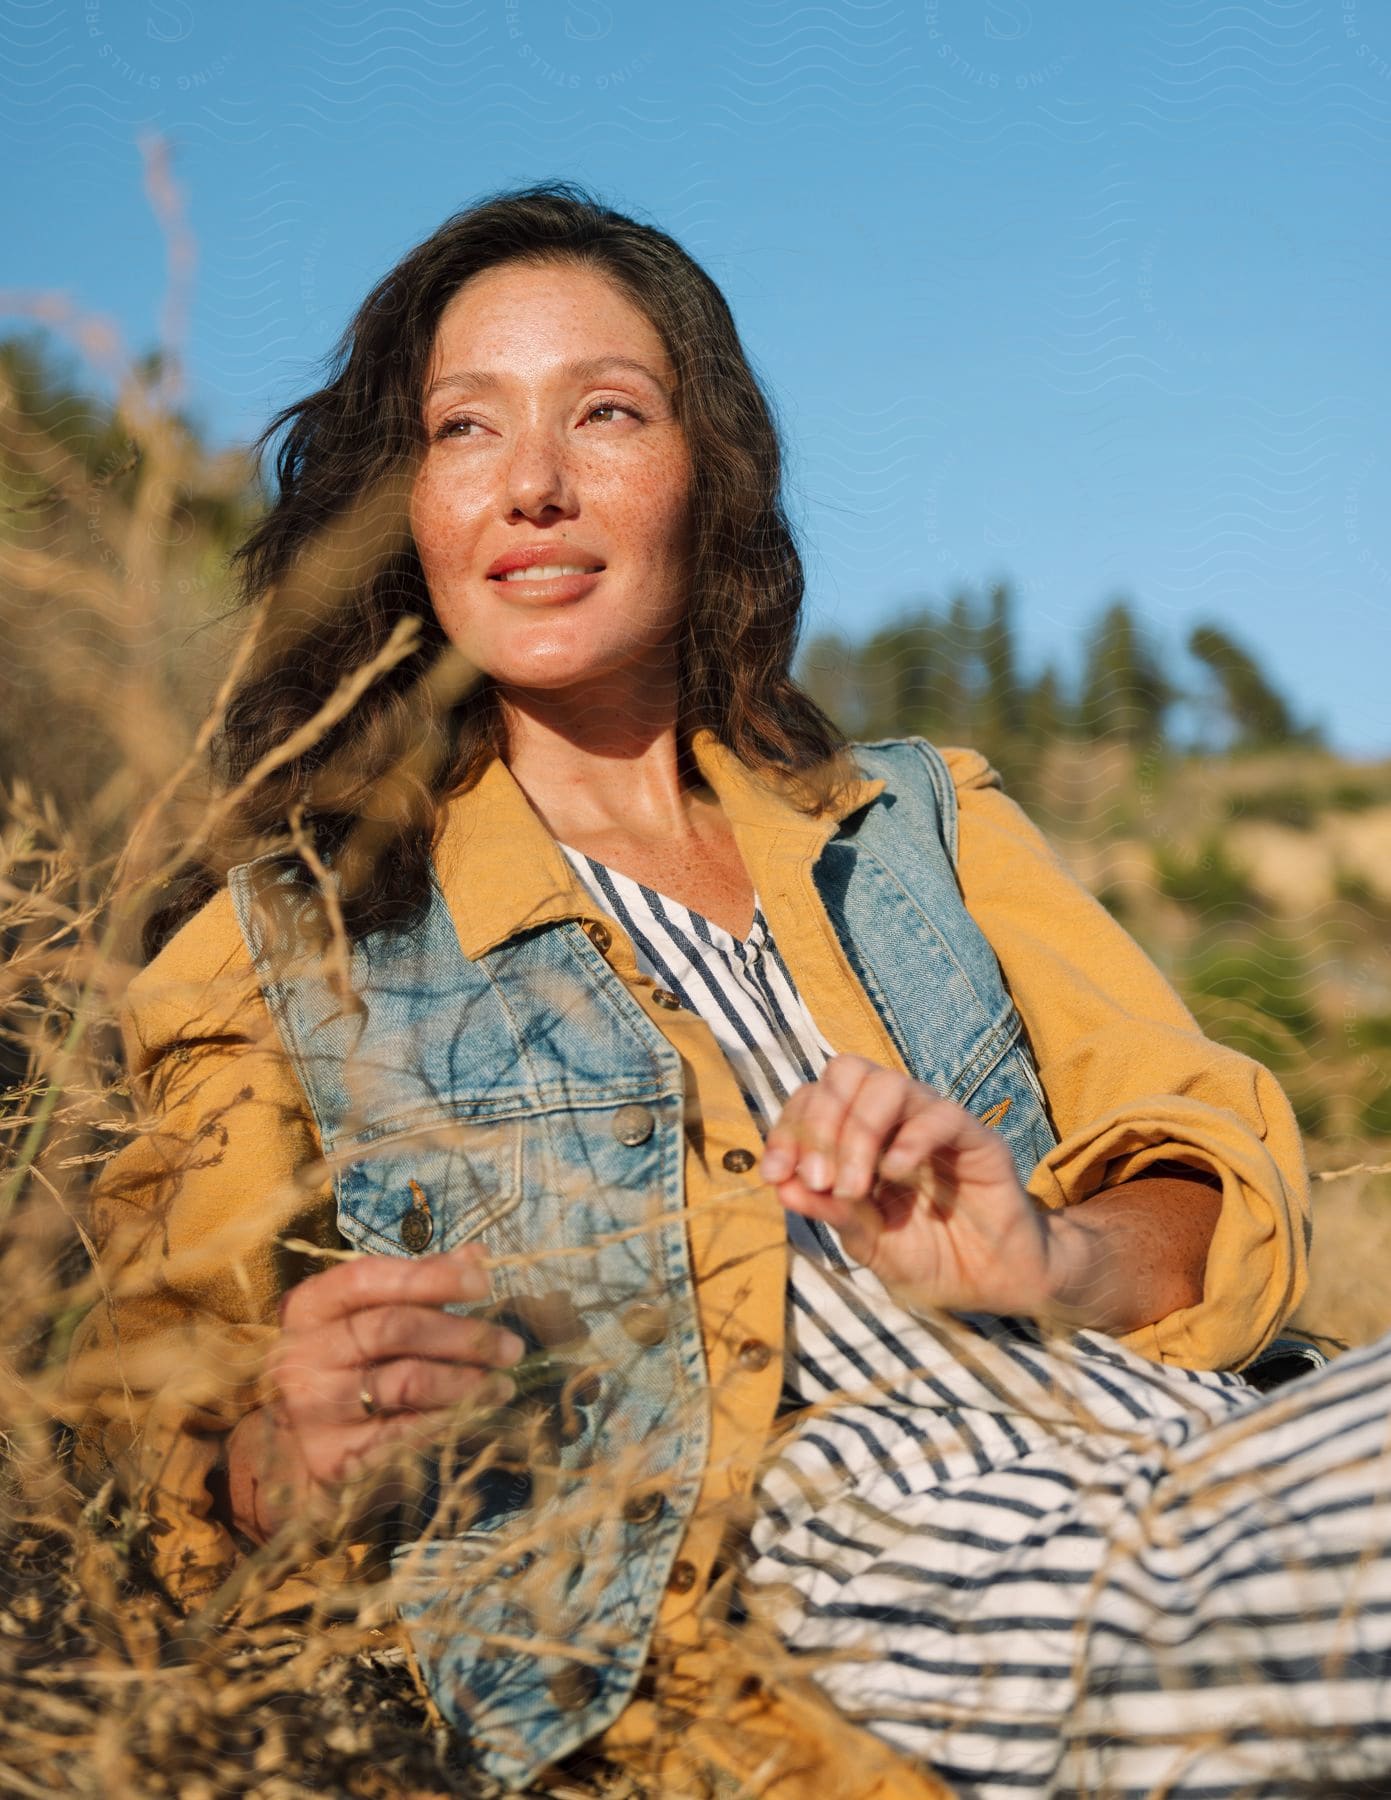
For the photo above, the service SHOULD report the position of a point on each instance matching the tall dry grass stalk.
(112, 596)
(119, 659)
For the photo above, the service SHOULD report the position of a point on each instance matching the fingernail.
(510, 1348)
(816, 1171)
(776, 1164)
(473, 1280)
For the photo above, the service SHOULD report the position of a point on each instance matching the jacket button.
(633, 1124)
(683, 1576)
(642, 1509)
(754, 1355)
(599, 936)
(646, 1323)
(574, 1686)
(738, 1161)
(417, 1228)
(665, 997)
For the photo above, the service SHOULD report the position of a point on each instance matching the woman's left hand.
(918, 1190)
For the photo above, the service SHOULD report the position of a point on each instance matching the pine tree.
(1047, 713)
(1125, 694)
(1259, 717)
(958, 683)
(900, 668)
(1001, 707)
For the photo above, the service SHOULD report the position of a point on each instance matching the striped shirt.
(1044, 1566)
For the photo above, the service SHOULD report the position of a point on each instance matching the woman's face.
(550, 433)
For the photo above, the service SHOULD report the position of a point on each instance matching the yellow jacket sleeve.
(1131, 1080)
(189, 1218)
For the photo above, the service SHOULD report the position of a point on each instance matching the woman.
(646, 1041)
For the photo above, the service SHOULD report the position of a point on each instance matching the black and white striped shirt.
(997, 1548)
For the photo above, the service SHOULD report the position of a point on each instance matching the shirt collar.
(502, 872)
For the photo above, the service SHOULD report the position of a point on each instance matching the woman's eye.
(455, 428)
(613, 406)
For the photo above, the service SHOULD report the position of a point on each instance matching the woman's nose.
(539, 473)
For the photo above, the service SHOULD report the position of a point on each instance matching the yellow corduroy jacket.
(191, 1213)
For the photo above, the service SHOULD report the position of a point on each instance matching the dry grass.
(112, 581)
(110, 588)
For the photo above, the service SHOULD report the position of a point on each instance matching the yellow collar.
(502, 872)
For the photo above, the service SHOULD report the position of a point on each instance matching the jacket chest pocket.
(431, 1187)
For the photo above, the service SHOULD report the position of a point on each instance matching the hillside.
(1261, 885)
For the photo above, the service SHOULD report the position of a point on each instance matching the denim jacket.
(521, 1099)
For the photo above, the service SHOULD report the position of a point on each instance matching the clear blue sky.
(1081, 295)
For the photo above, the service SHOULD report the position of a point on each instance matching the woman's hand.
(367, 1358)
(919, 1191)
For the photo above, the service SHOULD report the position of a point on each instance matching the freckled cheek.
(440, 528)
(652, 509)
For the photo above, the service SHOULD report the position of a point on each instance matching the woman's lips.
(552, 588)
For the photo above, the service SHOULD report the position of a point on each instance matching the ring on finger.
(370, 1404)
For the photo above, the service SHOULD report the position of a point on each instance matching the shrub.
(1115, 902)
(1207, 881)
(1376, 1113)
(1254, 993)
(1310, 1109)
(1295, 807)
(1357, 891)
(1351, 796)
(1372, 1032)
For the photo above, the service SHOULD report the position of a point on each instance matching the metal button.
(754, 1355)
(665, 997)
(599, 936)
(417, 1228)
(416, 1231)
(634, 1124)
(418, 1225)
(574, 1686)
(683, 1576)
(642, 1509)
(738, 1161)
(646, 1323)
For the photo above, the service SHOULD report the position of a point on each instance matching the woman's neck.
(606, 773)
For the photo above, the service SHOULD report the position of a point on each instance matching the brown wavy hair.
(332, 568)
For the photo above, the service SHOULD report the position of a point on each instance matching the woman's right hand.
(372, 1329)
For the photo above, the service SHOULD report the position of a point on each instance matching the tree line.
(955, 674)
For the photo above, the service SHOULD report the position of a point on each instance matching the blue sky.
(1087, 297)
